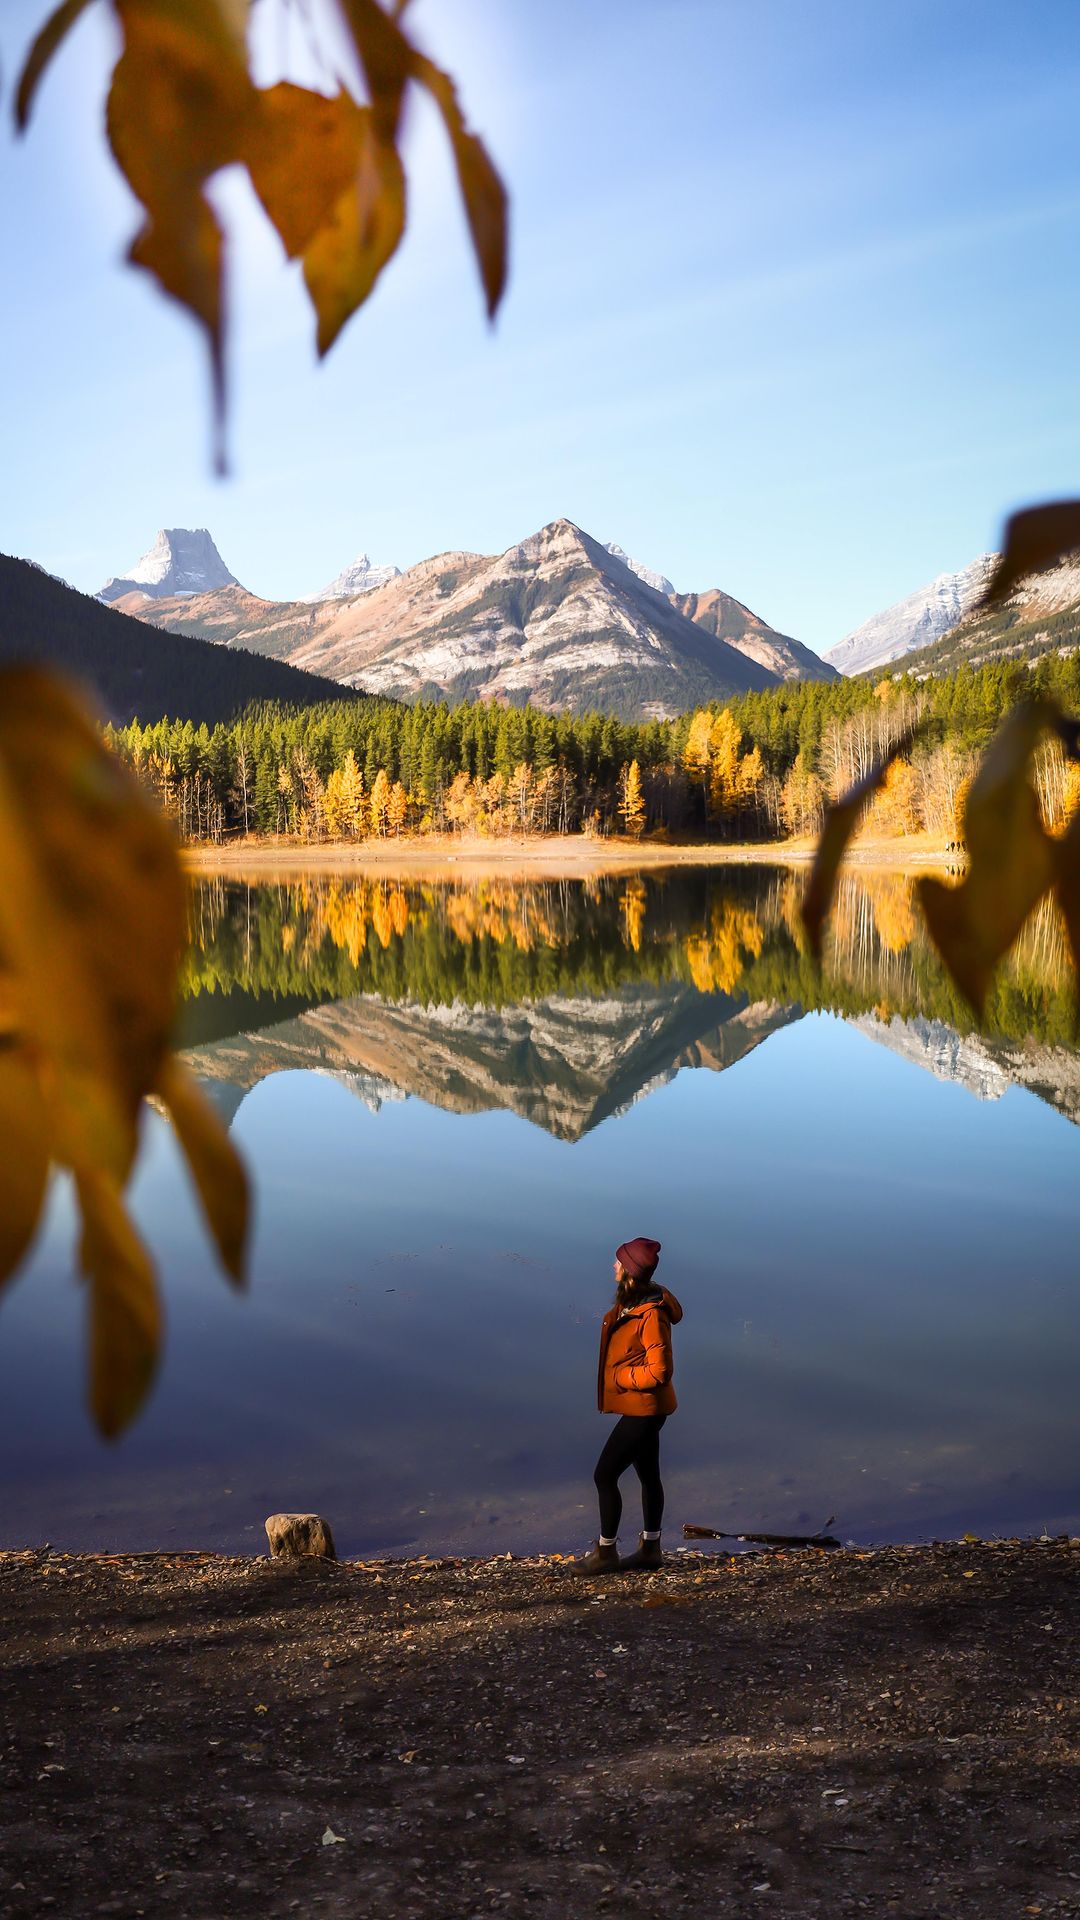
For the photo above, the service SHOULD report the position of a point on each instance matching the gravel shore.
(798, 1733)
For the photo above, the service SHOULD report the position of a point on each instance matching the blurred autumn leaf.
(1035, 538)
(326, 168)
(92, 931)
(840, 824)
(1012, 860)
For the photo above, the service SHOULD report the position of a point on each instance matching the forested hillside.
(763, 764)
(133, 669)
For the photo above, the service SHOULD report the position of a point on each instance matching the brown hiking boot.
(648, 1555)
(599, 1560)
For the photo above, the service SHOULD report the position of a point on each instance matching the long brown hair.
(630, 1291)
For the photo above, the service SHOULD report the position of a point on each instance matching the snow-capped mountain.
(556, 619)
(657, 581)
(181, 560)
(360, 577)
(916, 621)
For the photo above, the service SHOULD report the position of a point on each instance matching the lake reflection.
(456, 1100)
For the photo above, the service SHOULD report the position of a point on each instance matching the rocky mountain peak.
(658, 581)
(360, 577)
(181, 560)
(916, 621)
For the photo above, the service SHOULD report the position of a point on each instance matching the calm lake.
(455, 1102)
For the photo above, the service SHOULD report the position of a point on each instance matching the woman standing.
(634, 1382)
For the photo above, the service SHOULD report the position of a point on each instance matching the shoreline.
(566, 857)
(799, 1732)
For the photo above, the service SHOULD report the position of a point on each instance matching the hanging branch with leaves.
(327, 168)
(1012, 860)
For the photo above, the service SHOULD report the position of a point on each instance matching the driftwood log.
(819, 1539)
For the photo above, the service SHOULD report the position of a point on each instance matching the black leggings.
(634, 1441)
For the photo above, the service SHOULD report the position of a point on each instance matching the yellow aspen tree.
(631, 800)
(802, 798)
(519, 795)
(351, 797)
(895, 811)
(285, 799)
(397, 809)
(725, 739)
(751, 777)
(696, 750)
(380, 806)
(461, 801)
(333, 810)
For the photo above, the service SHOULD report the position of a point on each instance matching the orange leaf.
(24, 1160)
(303, 153)
(481, 188)
(349, 252)
(216, 1166)
(389, 60)
(1035, 538)
(125, 1316)
(179, 109)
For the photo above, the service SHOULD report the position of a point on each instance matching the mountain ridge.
(559, 619)
(916, 621)
(133, 670)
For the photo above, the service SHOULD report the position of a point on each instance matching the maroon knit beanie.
(639, 1257)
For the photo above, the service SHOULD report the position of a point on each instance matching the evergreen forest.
(757, 767)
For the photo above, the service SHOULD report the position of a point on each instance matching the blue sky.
(793, 310)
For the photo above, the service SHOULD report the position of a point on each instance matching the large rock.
(294, 1536)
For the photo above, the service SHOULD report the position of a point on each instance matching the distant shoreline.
(543, 857)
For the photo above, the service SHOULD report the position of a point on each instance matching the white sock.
(605, 1542)
(650, 1536)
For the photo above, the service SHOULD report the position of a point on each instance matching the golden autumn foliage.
(631, 801)
(718, 952)
(327, 169)
(92, 932)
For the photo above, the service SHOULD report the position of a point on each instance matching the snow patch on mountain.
(916, 621)
(360, 577)
(658, 581)
(181, 560)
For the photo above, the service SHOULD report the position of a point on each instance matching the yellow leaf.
(92, 919)
(179, 108)
(215, 1164)
(303, 152)
(125, 1317)
(389, 60)
(24, 1155)
(841, 820)
(56, 28)
(1035, 538)
(351, 248)
(481, 188)
(1010, 859)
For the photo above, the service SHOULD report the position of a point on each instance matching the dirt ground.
(894, 1732)
(571, 857)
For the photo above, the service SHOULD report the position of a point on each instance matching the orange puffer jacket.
(635, 1357)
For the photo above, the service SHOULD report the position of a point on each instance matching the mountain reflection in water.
(565, 1001)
